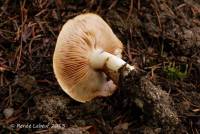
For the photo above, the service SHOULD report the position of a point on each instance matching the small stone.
(8, 112)
(198, 60)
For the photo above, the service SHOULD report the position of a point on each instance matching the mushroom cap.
(76, 41)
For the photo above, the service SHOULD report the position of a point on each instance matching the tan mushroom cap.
(78, 38)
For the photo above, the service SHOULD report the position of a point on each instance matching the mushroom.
(87, 58)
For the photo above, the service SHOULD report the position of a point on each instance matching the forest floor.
(162, 37)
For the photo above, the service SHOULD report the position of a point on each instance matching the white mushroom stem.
(111, 64)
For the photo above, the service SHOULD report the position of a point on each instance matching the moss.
(176, 72)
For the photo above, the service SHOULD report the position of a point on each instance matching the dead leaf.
(2, 69)
(121, 127)
(26, 81)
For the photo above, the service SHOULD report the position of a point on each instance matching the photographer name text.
(39, 125)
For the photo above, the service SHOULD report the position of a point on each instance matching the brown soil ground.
(162, 37)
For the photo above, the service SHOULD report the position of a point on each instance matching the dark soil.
(161, 37)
